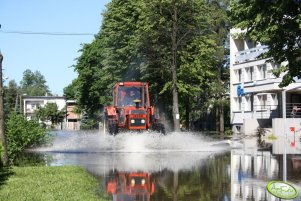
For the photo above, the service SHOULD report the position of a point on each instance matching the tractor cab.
(127, 94)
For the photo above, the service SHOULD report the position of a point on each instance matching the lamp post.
(285, 132)
(4, 156)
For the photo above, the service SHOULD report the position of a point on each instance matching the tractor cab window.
(127, 95)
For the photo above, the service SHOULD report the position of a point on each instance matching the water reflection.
(252, 169)
(130, 186)
(179, 167)
(250, 173)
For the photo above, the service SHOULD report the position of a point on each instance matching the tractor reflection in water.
(134, 186)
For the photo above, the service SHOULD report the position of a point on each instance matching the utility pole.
(4, 156)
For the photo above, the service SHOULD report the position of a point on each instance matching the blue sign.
(240, 91)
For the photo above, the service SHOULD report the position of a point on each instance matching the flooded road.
(178, 166)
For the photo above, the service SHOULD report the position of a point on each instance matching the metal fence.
(293, 110)
(266, 111)
(250, 54)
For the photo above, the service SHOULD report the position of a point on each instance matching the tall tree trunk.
(175, 105)
(4, 157)
(217, 123)
(187, 120)
(222, 120)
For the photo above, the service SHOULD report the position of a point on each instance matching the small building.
(32, 103)
(72, 118)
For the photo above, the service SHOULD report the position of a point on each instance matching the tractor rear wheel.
(112, 128)
(159, 127)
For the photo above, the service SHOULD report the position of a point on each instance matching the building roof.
(44, 97)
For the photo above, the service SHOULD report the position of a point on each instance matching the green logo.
(282, 190)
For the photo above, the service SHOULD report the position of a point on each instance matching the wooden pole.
(4, 156)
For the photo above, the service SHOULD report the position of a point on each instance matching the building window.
(238, 103)
(238, 129)
(262, 101)
(238, 75)
(262, 71)
(249, 74)
(248, 103)
(275, 66)
(274, 101)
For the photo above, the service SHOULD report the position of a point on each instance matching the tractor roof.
(129, 84)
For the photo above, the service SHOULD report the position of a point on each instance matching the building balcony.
(293, 110)
(266, 111)
(250, 54)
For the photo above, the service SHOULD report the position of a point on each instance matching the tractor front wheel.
(112, 128)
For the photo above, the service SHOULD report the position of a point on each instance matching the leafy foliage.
(51, 112)
(173, 45)
(34, 84)
(275, 23)
(88, 122)
(22, 134)
(70, 90)
(12, 97)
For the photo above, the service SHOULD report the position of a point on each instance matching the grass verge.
(49, 183)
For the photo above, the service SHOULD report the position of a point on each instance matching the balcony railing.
(266, 111)
(293, 110)
(250, 54)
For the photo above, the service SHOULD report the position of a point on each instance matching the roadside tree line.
(179, 47)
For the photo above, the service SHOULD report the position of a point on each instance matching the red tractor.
(131, 186)
(131, 109)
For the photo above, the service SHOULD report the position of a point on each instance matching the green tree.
(275, 23)
(51, 112)
(181, 42)
(88, 81)
(71, 90)
(170, 44)
(34, 84)
(220, 86)
(111, 57)
(12, 97)
(22, 134)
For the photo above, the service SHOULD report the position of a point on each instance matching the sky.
(52, 55)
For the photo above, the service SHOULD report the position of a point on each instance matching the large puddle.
(178, 166)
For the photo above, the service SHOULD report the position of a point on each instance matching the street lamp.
(285, 126)
(285, 132)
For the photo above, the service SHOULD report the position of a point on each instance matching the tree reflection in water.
(211, 181)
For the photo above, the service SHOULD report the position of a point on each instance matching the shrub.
(1, 149)
(228, 132)
(272, 137)
(22, 134)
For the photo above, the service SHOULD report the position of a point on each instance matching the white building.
(32, 103)
(255, 97)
